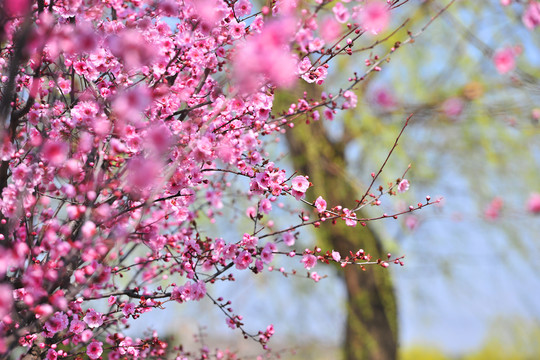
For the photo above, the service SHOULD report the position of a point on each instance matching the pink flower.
(160, 137)
(350, 100)
(349, 217)
(88, 230)
(403, 185)
(411, 222)
(504, 60)
(128, 309)
(132, 48)
(328, 114)
(320, 204)
(93, 318)
(142, 173)
(6, 296)
(43, 310)
(535, 114)
(341, 13)
(309, 261)
(34, 137)
(64, 85)
(316, 277)
(229, 252)
(265, 206)
(231, 323)
(242, 8)
(533, 204)
(243, 260)
(211, 12)
(531, 16)
(94, 350)
(259, 265)
(493, 209)
(249, 241)
(128, 105)
(51, 355)
(111, 300)
(77, 326)
(267, 253)
(288, 238)
(55, 152)
(452, 107)
(384, 98)
(237, 30)
(198, 290)
(300, 184)
(375, 16)
(336, 255)
(177, 294)
(266, 57)
(16, 7)
(330, 29)
(316, 45)
(506, 2)
(318, 75)
(251, 212)
(56, 323)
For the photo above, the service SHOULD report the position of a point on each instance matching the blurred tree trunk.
(371, 329)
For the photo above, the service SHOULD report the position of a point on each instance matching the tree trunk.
(371, 330)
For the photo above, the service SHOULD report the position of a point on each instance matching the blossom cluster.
(122, 125)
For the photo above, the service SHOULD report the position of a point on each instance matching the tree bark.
(371, 326)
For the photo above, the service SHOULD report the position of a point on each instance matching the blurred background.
(470, 286)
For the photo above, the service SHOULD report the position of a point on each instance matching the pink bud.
(533, 204)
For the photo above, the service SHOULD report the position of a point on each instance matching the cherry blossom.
(300, 184)
(452, 107)
(17, 7)
(375, 16)
(266, 57)
(341, 12)
(58, 322)
(309, 261)
(242, 8)
(349, 217)
(411, 222)
(320, 204)
(384, 98)
(77, 326)
(350, 99)
(128, 309)
(6, 299)
(93, 318)
(330, 29)
(531, 16)
(403, 185)
(243, 260)
(289, 238)
(493, 210)
(94, 350)
(504, 60)
(533, 204)
(267, 252)
(133, 125)
(265, 206)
